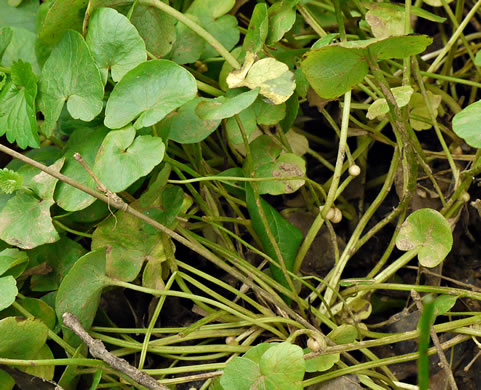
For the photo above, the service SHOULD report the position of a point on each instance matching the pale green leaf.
(122, 160)
(70, 75)
(24, 16)
(225, 107)
(8, 287)
(466, 124)
(114, 43)
(379, 107)
(148, 93)
(10, 181)
(22, 338)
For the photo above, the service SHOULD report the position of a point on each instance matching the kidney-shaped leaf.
(148, 93)
(122, 160)
(429, 232)
(334, 70)
(70, 74)
(79, 293)
(466, 124)
(114, 43)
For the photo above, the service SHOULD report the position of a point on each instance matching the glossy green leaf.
(133, 156)
(70, 75)
(61, 17)
(10, 181)
(13, 262)
(131, 244)
(17, 107)
(5, 38)
(186, 127)
(21, 47)
(80, 291)
(114, 43)
(385, 21)
(379, 107)
(85, 141)
(23, 16)
(59, 257)
(8, 287)
(225, 107)
(148, 93)
(429, 232)
(155, 27)
(21, 338)
(334, 70)
(269, 162)
(25, 220)
(282, 16)
(466, 124)
(286, 235)
(258, 29)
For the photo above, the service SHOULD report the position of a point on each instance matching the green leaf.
(286, 235)
(249, 121)
(419, 108)
(189, 45)
(444, 303)
(23, 16)
(210, 8)
(400, 47)
(385, 21)
(59, 257)
(148, 93)
(21, 47)
(334, 70)
(10, 181)
(172, 199)
(5, 38)
(225, 30)
(477, 58)
(21, 338)
(80, 291)
(436, 3)
(122, 160)
(70, 75)
(429, 232)
(255, 353)
(225, 107)
(17, 107)
(8, 287)
(40, 310)
(155, 27)
(379, 107)
(258, 29)
(268, 114)
(25, 220)
(61, 17)
(114, 43)
(269, 162)
(13, 262)
(186, 127)
(85, 141)
(39, 373)
(240, 374)
(283, 367)
(343, 334)
(322, 362)
(282, 16)
(130, 243)
(466, 124)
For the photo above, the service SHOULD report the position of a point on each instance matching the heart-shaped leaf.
(427, 231)
(148, 93)
(22, 338)
(80, 290)
(85, 141)
(122, 160)
(17, 107)
(466, 124)
(114, 43)
(70, 75)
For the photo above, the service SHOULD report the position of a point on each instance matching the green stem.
(209, 38)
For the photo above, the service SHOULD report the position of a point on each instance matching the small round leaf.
(429, 232)
(466, 124)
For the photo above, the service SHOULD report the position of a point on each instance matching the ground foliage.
(234, 194)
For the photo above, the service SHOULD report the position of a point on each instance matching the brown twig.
(97, 349)
(434, 336)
